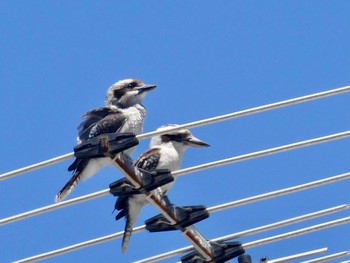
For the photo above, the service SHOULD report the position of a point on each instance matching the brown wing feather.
(148, 160)
(99, 121)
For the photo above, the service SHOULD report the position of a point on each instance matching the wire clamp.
(245, 258)
(186, 216)
(150, 181)
(105, 144)
(264, 260)
(223, 251)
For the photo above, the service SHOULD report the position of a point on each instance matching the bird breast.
(134, 119)
(169, 159)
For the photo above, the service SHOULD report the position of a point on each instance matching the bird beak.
(195, 142)
(146, 88)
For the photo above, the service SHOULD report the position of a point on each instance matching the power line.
(33, 167)
(188, 248)
(212, 120)
(284, 222)
(298, 232)
(289, 190)
(328, 257)
(78, 246)
(299, 255)
(51, 207)
(266, 152)
(250, 111)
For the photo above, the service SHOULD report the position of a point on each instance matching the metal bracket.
(245, 258)
(223, 251)
(181, 218)
(109, 143)
(150, 181)
(186, 216)
(264, 260)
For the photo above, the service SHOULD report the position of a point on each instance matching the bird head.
(181, 139)
(127, 93)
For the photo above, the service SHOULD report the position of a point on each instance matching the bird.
(123, 112)
(166, 152)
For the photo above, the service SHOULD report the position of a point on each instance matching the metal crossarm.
(155, 198)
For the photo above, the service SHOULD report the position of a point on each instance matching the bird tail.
(78, 167)
(82, 170)
(131, 218)
(68, 187)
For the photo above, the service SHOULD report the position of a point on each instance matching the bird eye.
(132, 85)
(176, 137)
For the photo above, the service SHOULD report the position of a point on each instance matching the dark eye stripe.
(176, 137)
(119, 93)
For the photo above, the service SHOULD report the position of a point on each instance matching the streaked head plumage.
(180, 138)
(127, 93)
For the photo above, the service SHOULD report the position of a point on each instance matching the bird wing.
(96, 122)
(149, 159)
(99, 121)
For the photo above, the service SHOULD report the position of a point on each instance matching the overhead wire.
(328, 257)
(77, 246)
(54, 206)
(299, 255)
(265, 152)
(295, 233)
(184, 171)
(198, 123)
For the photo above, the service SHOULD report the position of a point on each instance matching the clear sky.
(57, 59)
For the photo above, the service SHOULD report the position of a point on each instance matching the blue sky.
(57, 58)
